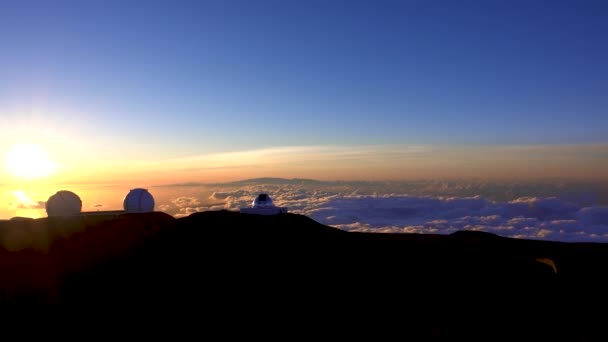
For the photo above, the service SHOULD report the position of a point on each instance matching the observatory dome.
(262, 201)
(63, 203)
(139, 201)
(262, 205)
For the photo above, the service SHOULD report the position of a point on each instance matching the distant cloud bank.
(551, 211)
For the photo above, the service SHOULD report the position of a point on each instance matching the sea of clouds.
(558, 211)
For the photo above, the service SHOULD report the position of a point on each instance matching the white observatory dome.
(63, 203)
(262, 201)
(262, 205)
(139, 201)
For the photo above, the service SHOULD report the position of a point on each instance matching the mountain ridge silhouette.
(222, 258)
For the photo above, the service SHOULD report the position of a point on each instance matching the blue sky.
(183, 78)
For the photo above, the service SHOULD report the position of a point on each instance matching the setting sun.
(29, 161)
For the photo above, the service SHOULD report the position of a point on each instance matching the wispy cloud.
(300, 154)
(402, 162)
(380, 162)
(36, 205)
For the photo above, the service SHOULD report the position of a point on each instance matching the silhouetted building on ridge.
(263, 205)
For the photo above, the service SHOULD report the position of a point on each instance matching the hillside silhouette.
(451, 284)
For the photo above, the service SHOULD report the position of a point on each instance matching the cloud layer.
(556, 212)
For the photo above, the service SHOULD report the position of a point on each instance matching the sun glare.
(29, 161)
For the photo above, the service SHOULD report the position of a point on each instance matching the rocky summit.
(467, 284)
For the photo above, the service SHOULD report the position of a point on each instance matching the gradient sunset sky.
(173, 91)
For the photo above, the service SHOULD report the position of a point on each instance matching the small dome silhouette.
(63, 203)
(263, 205)
(139, 201)
(262, 201)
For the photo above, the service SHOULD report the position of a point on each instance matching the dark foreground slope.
(468, 284)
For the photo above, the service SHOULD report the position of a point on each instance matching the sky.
(160, 92)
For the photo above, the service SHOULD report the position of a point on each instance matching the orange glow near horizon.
(30, 165)
(102, 182)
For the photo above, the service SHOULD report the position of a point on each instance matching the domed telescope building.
(139, 201)
(263, 205)
(63, 203)
(66, 203)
